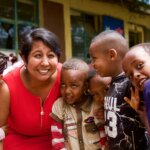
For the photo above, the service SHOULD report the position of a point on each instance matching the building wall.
(132, 21)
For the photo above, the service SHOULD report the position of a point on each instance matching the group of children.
(74, 111)
(123, 126)
(105, 95)
(136, 64)
(125, 119)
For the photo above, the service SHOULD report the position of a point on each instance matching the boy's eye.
(74, 85)
(62, 85)
(139, 66)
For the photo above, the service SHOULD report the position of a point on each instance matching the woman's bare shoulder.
(4, 90)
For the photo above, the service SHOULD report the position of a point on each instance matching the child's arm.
(99, 115)
(134, 102)
(57, 136)
(58, 142)
(103, 138)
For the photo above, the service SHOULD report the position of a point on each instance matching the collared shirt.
(80, 127)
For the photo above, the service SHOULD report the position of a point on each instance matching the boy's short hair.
(92, 73)
(115, 40)
(3, 62)
(39, 34)
(76, 64)
(145, 46)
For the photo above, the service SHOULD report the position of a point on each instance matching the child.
(74, 110)
(122, 123)
(136, 65)
(98, 87)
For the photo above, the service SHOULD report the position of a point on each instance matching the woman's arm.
(1, 145)
(5, 129)
(4, 107)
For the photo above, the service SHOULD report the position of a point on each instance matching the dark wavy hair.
(3, 62)
(42, 34)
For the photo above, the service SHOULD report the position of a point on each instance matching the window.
(134, 38)
(16, 17)
(136, 34)
(83, 29)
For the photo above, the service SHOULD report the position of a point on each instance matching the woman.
(27, 96)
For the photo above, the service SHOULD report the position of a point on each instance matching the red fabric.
(25, 132)
(103, 137)
(57, 136)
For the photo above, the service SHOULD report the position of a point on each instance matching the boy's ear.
(86, 86)
(112, 54)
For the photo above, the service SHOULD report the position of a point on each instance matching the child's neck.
(82, 100)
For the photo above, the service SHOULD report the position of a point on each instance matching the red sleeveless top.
(28, 129)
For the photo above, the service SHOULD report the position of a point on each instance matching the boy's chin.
(69, 102)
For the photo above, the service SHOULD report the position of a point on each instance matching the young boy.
(136, 65)
(122, 123)
(74, 110)
(98, 87)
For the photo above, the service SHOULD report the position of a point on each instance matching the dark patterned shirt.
(122, 123)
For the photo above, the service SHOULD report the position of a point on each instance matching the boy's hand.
(134, 102)
(99, 113)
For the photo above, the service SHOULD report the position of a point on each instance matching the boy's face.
(99, 59)
(72, 85)
(136, 65)
(98, 87)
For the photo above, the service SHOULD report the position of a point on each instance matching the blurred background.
(75, 22)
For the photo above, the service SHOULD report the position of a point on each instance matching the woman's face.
(42, 61)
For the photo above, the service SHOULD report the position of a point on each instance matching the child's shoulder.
(58, 102)
(57, 109)
(58, 105)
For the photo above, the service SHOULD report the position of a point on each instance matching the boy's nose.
(67, 90)
(136, 74)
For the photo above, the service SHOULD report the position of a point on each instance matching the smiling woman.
(29, 92)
